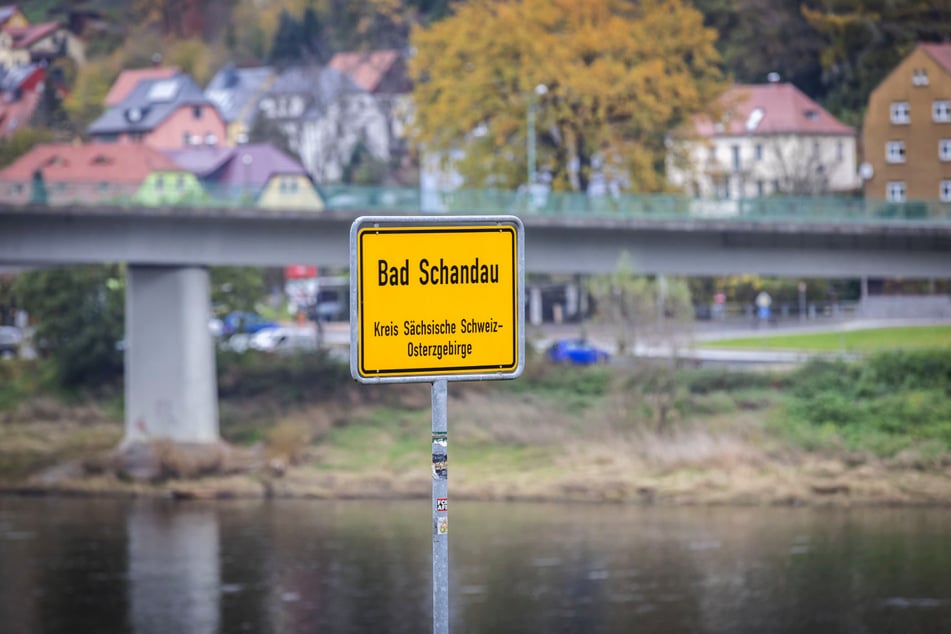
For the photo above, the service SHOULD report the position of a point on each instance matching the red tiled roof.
(26, 36)
(89, 163)
(366, 69)
(782, 109)
(128, 79)
(941, 53)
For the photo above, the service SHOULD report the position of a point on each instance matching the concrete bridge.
(170, 367)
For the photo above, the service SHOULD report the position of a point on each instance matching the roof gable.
(940, 53)
(775, 108)
(367, 69)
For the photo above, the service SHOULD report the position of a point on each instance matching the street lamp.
(540, 90)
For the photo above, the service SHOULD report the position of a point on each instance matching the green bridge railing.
(365, 199)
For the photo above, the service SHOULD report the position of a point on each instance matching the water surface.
(143, 567)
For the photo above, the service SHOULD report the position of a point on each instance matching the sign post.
(436, 299)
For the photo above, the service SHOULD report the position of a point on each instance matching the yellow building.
(907, 129)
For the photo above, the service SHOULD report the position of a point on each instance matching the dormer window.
(752, 121)
(101, 159)
(134, 114)
(900, 113)
(811, 115)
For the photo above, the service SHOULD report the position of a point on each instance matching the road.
(682, 343)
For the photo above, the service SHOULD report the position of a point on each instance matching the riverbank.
(644, 434)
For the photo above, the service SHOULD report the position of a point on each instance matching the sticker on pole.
(436, 298)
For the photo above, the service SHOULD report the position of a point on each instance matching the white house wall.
(325, 145)
(789, 164)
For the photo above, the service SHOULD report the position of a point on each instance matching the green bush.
(708, 380)
(886, 403)
(284, 379)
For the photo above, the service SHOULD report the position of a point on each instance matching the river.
(78, 565)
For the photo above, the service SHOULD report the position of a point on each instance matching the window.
(815, 149)
(945, 192)
(760, 188)
(211, 139)
(901, 113)
(758, 151)
(919, 77)
(944, 149)
(840, 151)
(186, 138)
(103, 187)
(159, 183)
(896, 191)
(736, 157)
(196, 112)
(941, 111)
(180, 183)
(895, 151)
(722, 186)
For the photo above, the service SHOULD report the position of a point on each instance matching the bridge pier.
(171, 389)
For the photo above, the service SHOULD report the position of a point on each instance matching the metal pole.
(531, 143)
(440, 510)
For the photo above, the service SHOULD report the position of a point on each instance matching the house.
(22, 42)
(906, 134)
(171, 187)
(93, 172)
(327, 118)
(253, 174)
(21, 88)
(236, 92)
(166, 114)
(768, 139)
(383, 74)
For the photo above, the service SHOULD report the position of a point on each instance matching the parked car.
(284, 340)
(577, 352)
(10, 339)
(241, 321)
(328, 307)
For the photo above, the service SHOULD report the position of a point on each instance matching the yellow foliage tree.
(618, 75)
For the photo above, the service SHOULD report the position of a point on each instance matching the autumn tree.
(618, 76)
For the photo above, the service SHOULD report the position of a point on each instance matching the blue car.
(245, 322)
(577, 352)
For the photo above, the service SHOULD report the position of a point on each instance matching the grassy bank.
(830, 432)
(862, 341)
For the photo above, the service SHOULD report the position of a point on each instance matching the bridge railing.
(364, 199)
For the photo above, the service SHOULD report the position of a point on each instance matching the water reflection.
(174, 573)
(306, 566)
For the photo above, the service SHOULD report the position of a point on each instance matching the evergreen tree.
(288, 41)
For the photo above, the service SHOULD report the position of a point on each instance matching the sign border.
(414, 224)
